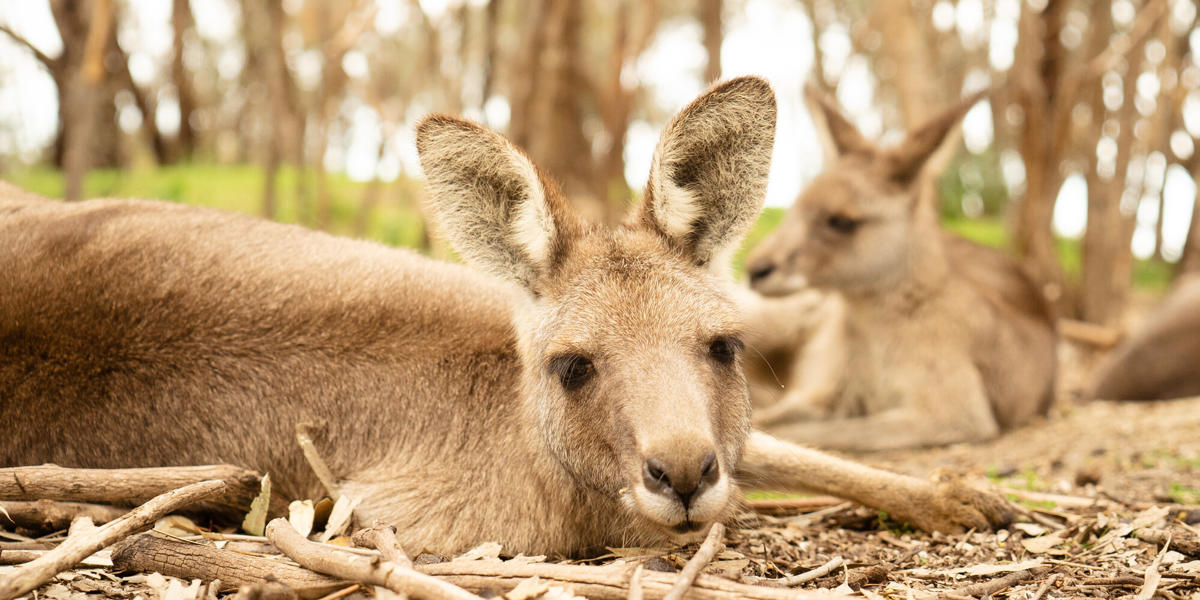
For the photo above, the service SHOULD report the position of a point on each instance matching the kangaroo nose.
(683, 478)
(760, 271)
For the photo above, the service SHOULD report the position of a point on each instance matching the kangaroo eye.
(572, 371)
(724, 349)
(842, 224)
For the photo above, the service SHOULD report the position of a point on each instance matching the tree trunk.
(82, 98)
(185, 93)
(711, 21)
(1036, 72)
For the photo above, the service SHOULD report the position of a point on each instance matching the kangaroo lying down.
(1162, 358)
(931, 339)
(588, 392)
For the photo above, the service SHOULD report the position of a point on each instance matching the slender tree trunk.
(491, 49)
(185, 93)
(1036, 72)
(82, 98)
(713, 23)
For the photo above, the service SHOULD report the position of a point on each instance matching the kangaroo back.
(1162, 358)
(1024, 327)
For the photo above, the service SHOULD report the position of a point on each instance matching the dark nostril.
(656, 471)
(709, 468)
(760, 271)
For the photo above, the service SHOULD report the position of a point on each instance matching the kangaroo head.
(860, 223)
(630, 345)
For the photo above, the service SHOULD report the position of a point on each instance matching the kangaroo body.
(935, 339)
(1161, 359)
(587, 393)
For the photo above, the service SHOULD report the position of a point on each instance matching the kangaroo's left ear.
(931, 145)
(708, 177)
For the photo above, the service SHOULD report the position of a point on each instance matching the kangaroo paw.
(949, 505)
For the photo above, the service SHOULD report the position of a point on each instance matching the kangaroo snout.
(683, 477)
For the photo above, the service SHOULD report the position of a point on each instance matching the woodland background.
(1082, 162)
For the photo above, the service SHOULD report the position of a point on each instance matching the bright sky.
(772, 38)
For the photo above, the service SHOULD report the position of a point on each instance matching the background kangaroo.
(1162, 357)
(940, 340)
(589, 394)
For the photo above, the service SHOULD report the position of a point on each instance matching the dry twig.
(130, 487)
(318, 465)
(150, 553)
(360, 568)
(1045, 587)
(817, 573)
(635, 584)
(713, 543)
(48, 515)
(78, 547)
(383, 538)
(995, 585)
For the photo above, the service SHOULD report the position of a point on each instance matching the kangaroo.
(1160, 359)
(580, 387)
(943, 340)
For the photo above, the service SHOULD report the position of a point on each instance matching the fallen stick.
(995, 585)
(49, 515)
(787, 506)
(131, 487)
(1161, 538)
(315, 462)
(1045, 587)
(817, 573)
(1058, 499)
(382, 538)
(713, 543)
(603, 582)
(269, 590)
(635, 584)
(1082, 332)
(187, 561)
(16, 557)
(360, 568)
(77, 547)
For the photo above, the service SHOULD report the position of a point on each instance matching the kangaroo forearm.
(770, 463)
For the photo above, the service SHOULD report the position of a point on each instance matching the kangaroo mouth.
(688, 526)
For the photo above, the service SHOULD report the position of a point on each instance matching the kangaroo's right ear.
(838, 135)
(497, 210)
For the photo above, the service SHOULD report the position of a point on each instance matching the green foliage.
(1184, 494)
(395, 219)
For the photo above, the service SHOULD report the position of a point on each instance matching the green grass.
(395, 219)
(1184, 494)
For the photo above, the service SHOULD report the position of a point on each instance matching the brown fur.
(1162, 358)
(940, 340)
(135, 333)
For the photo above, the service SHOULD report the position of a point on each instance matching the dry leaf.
(1045, 544)
(176, 526)
(731, 568)
(256, 520)
(486, 550)
(521, 559)
(1032, 529)
(993, 569)
(339, 517)
(301, 515)
(528, 589)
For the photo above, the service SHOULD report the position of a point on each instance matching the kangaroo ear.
(497, 210)
(930, 145)
(708, 177)
(838, 135)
